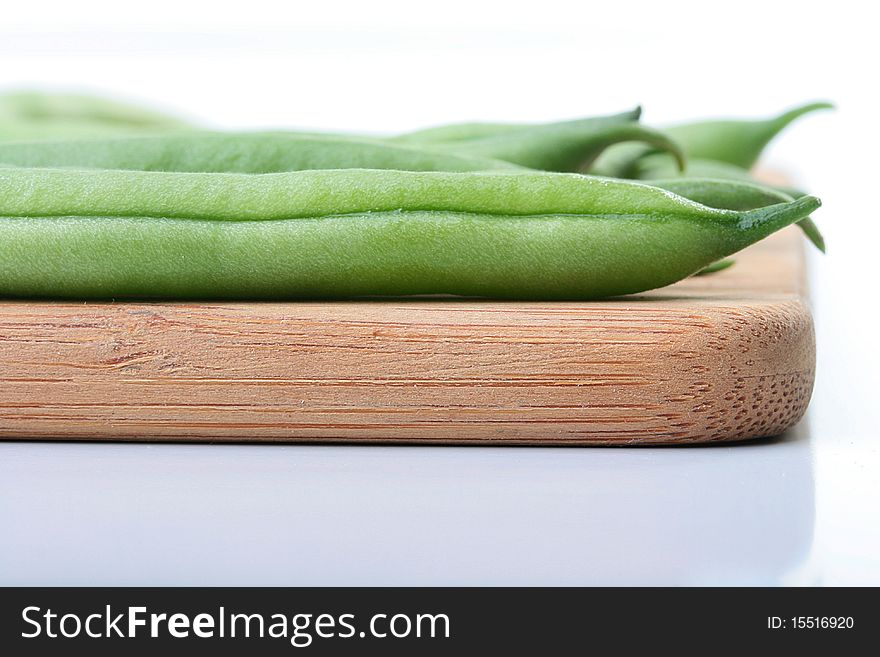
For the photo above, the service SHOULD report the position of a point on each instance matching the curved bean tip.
(815, 201)
(806, 204)
(791, 115)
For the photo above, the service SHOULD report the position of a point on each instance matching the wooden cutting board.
(722, 357)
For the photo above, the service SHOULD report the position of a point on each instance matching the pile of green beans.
(485, 210)
(718, 156)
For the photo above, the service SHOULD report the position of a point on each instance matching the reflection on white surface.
(322, 515)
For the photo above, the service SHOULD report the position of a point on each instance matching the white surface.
(800, 510)
(264, 515)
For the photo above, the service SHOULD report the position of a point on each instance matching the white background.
(385, 66)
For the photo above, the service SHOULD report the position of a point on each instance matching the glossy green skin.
(237, 152)
(458, 132)
(35, 115)
(350, 233)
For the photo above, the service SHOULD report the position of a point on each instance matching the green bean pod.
(715, 267)
(459, 132)
(737, 195)
(620, 160)
(573, 146)
(351, 233)
(726, 194)
(719, 185)
(657, 166)
(562, 146)
(220, 152)
(739, 143)
(713, 149)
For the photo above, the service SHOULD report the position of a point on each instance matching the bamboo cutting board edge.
(717, 358)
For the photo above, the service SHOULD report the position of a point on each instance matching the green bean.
(636, 162)
(654, 166)
(741, 196)
(739, 143)
(736, 195)
(572, 146)
(725, 194)
(715, 267)
(713, 149)
(620, 160)
(35, 115)
(457, 132)
(349, 233)
(237, 152)
(563, 146)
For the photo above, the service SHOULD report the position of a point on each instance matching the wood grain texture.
(722, 357)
